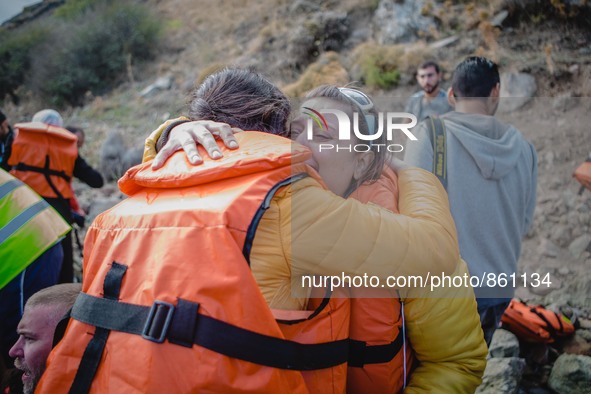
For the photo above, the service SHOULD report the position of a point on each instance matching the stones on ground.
(502, 375)
(162, 83)
(504, 344)
(548, 248)
(580, 245)
(498, 19)
(571, 374)
(111, 156)
(517, 89)
(576, 344)
(400, 21)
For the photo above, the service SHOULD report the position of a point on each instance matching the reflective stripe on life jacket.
(28, 227)
(43, 157)
(174, 255)
(376, 363)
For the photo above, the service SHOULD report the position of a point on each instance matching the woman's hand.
(186, 136)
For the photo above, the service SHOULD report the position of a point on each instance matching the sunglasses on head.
(364, 102)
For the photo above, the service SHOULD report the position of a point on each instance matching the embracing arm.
(325, 234)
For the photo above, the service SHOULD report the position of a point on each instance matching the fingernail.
(233, 145)
(195, 159)
(216, 155)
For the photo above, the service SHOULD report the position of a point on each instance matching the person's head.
(4, 125)
(78, 132)
(50, 117)
(428, 77)
(477, 79)
(243, 99)
(343, 170)
(42, 313)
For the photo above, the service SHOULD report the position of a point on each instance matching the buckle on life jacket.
(158, 321)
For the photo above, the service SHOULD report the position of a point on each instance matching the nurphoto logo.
(401, 121)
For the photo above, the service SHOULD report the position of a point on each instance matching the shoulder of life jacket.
(168, 295)
(43, 156)
(535, 323)
(28, 227)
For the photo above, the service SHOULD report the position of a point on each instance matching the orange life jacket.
(376, 362)
(534, 323)
(583, 174)
(43, 157)
(168, 287)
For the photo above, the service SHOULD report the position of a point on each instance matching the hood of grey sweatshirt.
(495, 146)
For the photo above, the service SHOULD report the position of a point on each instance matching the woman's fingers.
(186, 136)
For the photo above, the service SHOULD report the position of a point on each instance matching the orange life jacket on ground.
(168, 298)
(534, 323)
(43, 157)
(376, 362)
(583, 174)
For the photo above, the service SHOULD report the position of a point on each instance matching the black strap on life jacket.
(94, 350)
(252, 228)
(360, 353)
(183, 325)
(47, 173)
(438, 138)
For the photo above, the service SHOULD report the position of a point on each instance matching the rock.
(563, 271)
(543, 288)
(585, 324)
(400, 21)
(162, 83)
(576, 344)
(549, 249)
(111, 157)
(517, 89)
(132, 157)
(504, 344)
(580, 245)
(571, 374)
(577, 293)
(325, 31)
(502, 375)
(564, 102)
(443, 43)
(585, 333)
(560, 234)
(498, 19)
(303, 6)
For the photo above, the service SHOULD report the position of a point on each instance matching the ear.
(496, 90)
(495, 96)
(364, 160)
(450, 97)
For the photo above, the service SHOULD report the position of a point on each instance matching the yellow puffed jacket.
(445, 334)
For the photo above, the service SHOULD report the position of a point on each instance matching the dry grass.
(327, 70)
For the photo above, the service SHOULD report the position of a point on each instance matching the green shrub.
(379, 65)
(14, 57)
(94, 51)
(72, 9)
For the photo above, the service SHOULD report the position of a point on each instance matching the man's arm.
(87, 174)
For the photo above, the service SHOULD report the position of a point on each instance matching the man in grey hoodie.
(491, 182)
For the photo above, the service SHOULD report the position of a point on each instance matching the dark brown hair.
(243, 99)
